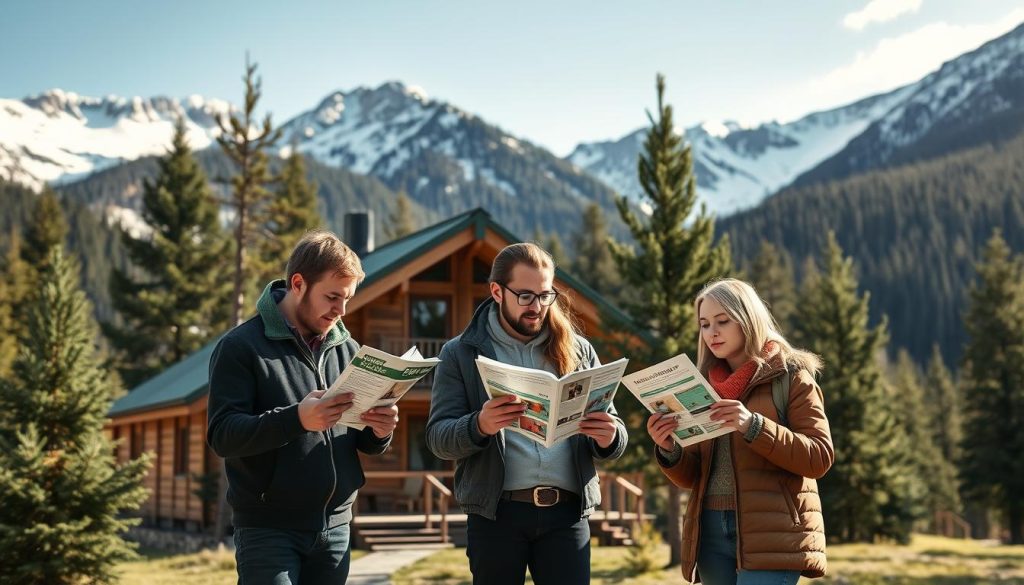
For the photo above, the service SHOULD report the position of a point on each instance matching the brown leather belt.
(541, 496)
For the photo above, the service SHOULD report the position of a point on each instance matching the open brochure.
(554, 406)
(676, 386)
(376, 378)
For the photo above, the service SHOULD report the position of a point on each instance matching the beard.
(309, 320)
(520, 325)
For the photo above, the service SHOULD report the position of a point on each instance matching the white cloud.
(879, 11)
(893, 62)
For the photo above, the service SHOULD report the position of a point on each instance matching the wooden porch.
(430, 523)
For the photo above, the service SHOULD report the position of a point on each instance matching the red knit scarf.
(730, 385)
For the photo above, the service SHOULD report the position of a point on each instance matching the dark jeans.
(553, 542)
(716, 559)
(292, 557)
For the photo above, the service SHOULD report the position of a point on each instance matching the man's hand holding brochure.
(378, 379)
(676, 387)
(554, 406)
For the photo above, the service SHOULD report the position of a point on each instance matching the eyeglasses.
(525, 298)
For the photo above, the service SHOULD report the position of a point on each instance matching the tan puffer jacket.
(779, 521)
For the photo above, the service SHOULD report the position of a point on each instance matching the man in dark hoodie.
(292, 475)
(526, 504)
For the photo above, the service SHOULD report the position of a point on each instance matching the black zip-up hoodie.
(279, 474)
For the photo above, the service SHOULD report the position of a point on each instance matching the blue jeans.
(716, 557)
(292, 557)
(553, 542)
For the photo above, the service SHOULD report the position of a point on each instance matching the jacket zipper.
(327, 433)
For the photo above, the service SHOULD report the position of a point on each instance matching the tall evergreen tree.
(938, 490)
(943, 398)
(993, 443)
(771, 274)
(594, 258)
(15, 288)
(291, 213)
(172, 298)
(400, 221)
(869, 492)
(553, 245)
(246, 143)
(46, 229)
(557, 250)
(669, 264)
(64, 496)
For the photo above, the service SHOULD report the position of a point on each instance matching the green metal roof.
(187, 380)
(181, 383)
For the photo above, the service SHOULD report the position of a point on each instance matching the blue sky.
(556, 73)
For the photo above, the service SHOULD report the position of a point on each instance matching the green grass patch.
(927, 560)
(208, 567)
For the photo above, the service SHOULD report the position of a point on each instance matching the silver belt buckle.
(545, 500)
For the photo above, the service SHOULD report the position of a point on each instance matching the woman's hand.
(732, 413)
(660, 427)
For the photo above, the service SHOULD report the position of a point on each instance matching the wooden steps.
(406, 531)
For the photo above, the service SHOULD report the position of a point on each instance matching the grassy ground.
(209, 567)
(928, 560)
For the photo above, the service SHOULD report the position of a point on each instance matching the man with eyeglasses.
(526, 504)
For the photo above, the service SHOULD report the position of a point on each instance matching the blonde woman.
(754, 515)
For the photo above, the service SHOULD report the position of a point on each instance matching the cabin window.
(428, 317)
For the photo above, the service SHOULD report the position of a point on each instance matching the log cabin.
(421, 289)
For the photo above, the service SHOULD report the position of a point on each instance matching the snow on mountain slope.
(60, 136)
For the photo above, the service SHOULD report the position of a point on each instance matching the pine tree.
(172, 298)
(771, 274)
(993, 445)
(64, 496)
(246, 143)
(553, 245)
(938, 490)
(400, 221)
(594, 258)
(669, 264)
(869, 492)
(292, 212)
(47, 228)
(557, 250)
(15, 288)
(943, 398)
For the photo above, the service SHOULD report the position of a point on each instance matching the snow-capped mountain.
(738, 167)
(446, 158)
(60, 136)
(975, 98)
(450, 160)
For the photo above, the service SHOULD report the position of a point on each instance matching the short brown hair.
(320, 252)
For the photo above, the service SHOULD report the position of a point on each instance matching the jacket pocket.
(790, 503)
(301, 473)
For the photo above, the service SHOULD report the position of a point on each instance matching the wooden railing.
(622, 496)
(947, 524)
(444, 495)
(434, 493)
(428, 346)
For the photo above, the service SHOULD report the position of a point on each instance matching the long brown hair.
(561, 347)
(744, 306)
